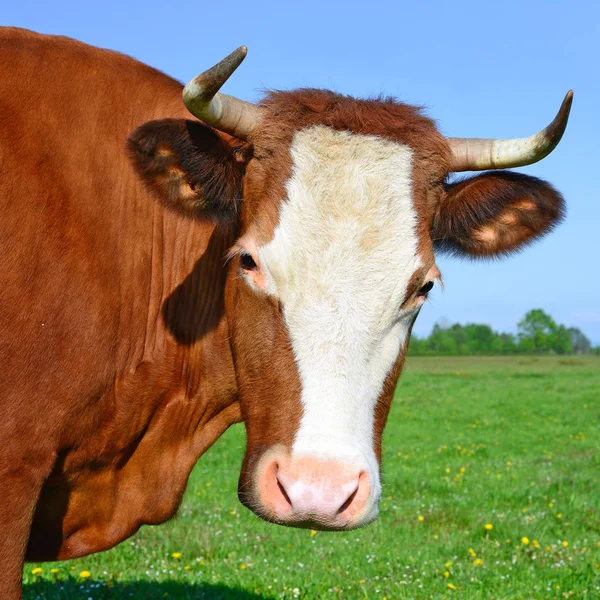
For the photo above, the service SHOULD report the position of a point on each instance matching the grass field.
(491, 490)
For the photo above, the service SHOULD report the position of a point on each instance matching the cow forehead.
(348, 227)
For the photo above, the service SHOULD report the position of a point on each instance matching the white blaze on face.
(340, 262)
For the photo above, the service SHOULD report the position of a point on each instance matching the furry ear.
(495, 213)
(188, 167)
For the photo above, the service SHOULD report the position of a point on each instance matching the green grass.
(511, 442)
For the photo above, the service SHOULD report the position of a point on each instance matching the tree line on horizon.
(537, 333)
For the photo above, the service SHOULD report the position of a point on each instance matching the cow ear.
(188, 167)
(495, 213)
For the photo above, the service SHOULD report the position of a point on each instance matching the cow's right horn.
(221, 111)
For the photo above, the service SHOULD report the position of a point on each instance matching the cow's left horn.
(473, 154)
(221, 111)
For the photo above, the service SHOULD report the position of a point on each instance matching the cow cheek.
(268, 381)
(384, 402)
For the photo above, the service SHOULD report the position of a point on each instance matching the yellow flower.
(243, 566)
(313, 532)
(362, 581)
(550, 504)
(488, 527)
(84, 574)
(36, 571)
(477, 562)
(536, 544)
(54, 571)
(176, 554)
(421, 518)
(451, 586)
(448, 564)
(472, 552)
(446, 574)
(565, 543)
(559, 516)
(186, 568)
(525, 541)
(435, 536)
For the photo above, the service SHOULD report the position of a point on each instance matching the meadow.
(491, 491)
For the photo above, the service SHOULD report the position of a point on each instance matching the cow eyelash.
(425, 289)
(247, 262)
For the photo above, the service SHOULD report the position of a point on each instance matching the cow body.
(116, 369)
(162, 280)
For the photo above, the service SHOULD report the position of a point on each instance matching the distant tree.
(504, 343)
(526, 346)
(417, 345)
(537, 331)
(560, 341)
(580, 343)
(441, 341)
(480, 338)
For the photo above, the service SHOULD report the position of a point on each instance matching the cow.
(170, 268)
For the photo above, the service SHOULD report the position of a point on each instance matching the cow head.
(340, 206)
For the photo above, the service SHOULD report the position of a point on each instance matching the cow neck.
(175, 392)
(186, 309)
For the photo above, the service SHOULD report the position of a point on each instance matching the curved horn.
(474, 154)
(221, 111)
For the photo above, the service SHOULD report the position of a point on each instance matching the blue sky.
(482, 69)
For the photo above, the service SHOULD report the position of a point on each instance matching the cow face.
(340, 204)
(331, 250)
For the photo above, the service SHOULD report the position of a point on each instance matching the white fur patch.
(340, 262)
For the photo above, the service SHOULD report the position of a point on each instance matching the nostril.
(348, 501)
(284, 493)
(273, 489)
(358, 497)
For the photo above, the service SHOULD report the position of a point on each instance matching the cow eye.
(425, 289)
(247, 262)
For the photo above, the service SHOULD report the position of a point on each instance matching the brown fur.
(288, 112)
(495, 213)
(109, 391)
(126, 344)
(188, 167)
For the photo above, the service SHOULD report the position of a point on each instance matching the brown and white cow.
(274, 280)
